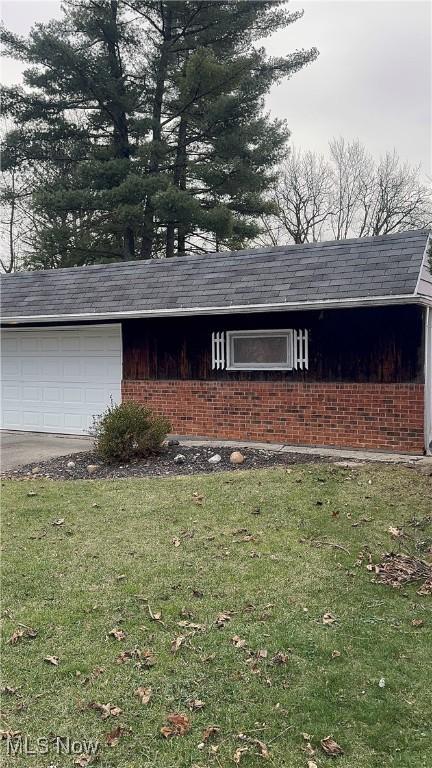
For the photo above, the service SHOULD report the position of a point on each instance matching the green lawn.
(244, 550)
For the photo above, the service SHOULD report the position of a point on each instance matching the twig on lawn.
(289, 728)
(319, 542)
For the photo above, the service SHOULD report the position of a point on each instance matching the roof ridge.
(259, 251)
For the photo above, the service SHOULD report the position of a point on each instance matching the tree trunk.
(148, 223)
(182, 180)
(120, 122)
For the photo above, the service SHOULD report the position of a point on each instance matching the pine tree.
(144, 123)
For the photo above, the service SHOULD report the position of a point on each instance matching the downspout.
(428, 381)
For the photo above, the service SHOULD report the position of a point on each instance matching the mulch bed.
(196, 462)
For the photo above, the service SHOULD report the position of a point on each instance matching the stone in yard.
(36, 470)
(173, 442)
(215, 459)
(71, 464)
(92, 468)
(179, 459)
(237, 457)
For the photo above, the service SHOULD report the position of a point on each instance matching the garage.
(56, 379)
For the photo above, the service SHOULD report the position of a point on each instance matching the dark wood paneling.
(369, 344)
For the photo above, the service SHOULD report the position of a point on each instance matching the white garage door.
(57, 379)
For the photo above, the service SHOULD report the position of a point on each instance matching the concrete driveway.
(19, 448)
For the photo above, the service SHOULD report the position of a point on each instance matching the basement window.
(269, 350)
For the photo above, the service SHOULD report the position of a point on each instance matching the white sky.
(372, 80)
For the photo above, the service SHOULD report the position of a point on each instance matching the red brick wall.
(376, 416)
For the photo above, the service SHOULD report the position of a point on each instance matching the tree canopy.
(140, 129)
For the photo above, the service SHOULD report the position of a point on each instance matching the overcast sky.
(372, 80)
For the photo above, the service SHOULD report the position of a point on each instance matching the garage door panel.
(57, 380)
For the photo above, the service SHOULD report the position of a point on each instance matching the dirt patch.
(193, 461)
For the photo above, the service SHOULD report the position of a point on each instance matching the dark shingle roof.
(374, 268)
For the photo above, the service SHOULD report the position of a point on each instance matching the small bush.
(127, 431)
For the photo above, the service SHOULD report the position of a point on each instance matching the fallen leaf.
(426, 588)
(280, 658)
(209, 732)
(9, 734)
(308, 749)
(222, 619)
(397, 533)
(144, 694)
(112, 738)
(198, 498)
(238, 754)
(335, 654)
(106, 710)
(262, 653)
(176, 541)
(328, 618)
(195, 704)
(331, 747)
(20, 634)
(184, 624)
(124, 656)
(54, 660)
(179, 725)
(7, 689)
(83, 760)
(238, 642)
(118, 633)
(145, 658)
(177, 643)
(262, 749)
(60, 521)
(417, 622)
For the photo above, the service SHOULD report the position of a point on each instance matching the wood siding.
(368, 345)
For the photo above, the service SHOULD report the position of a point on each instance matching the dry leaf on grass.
(195, 704)
(222, 619)
(118, 633)
(280, 658)
(262, 653)
(257, 743)
(184, 624)
(106, 710)
(54, 660)
(238, 642)
(238, 754)
(177, 643)
(331, 747)
(335, 654)
(22, 634)
(417, 622)
(308, 749)
(9, 734)
(397, 533)
(328, 618)
(176, 541)
(145, 658)
(197, 498)
(112, 738)
(395, 570)
(60, 521)
(209, 732)
(179, 725)
(144, 694)
(426, 588)
(82, 761)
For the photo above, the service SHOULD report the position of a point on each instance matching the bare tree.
(302, 199)
(349, 195)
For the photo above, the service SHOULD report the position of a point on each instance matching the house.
(324, 344)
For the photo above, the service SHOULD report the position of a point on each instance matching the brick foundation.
(385, 417)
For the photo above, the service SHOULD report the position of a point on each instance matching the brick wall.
(375, 416)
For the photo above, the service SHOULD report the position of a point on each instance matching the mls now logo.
(23, 745)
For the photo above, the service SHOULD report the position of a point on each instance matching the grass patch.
(246, 550)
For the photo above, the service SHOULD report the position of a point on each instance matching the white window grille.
(278, 350)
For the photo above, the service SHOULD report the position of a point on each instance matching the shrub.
(127, 431)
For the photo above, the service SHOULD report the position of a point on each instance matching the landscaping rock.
(70, 465)
(179, 459)
(215, 459)
(237, 457)
(36, 470)
(92, 468)
(170, 443)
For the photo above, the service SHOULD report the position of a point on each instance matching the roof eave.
(366, 301)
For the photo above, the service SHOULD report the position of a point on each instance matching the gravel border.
(174, 459)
